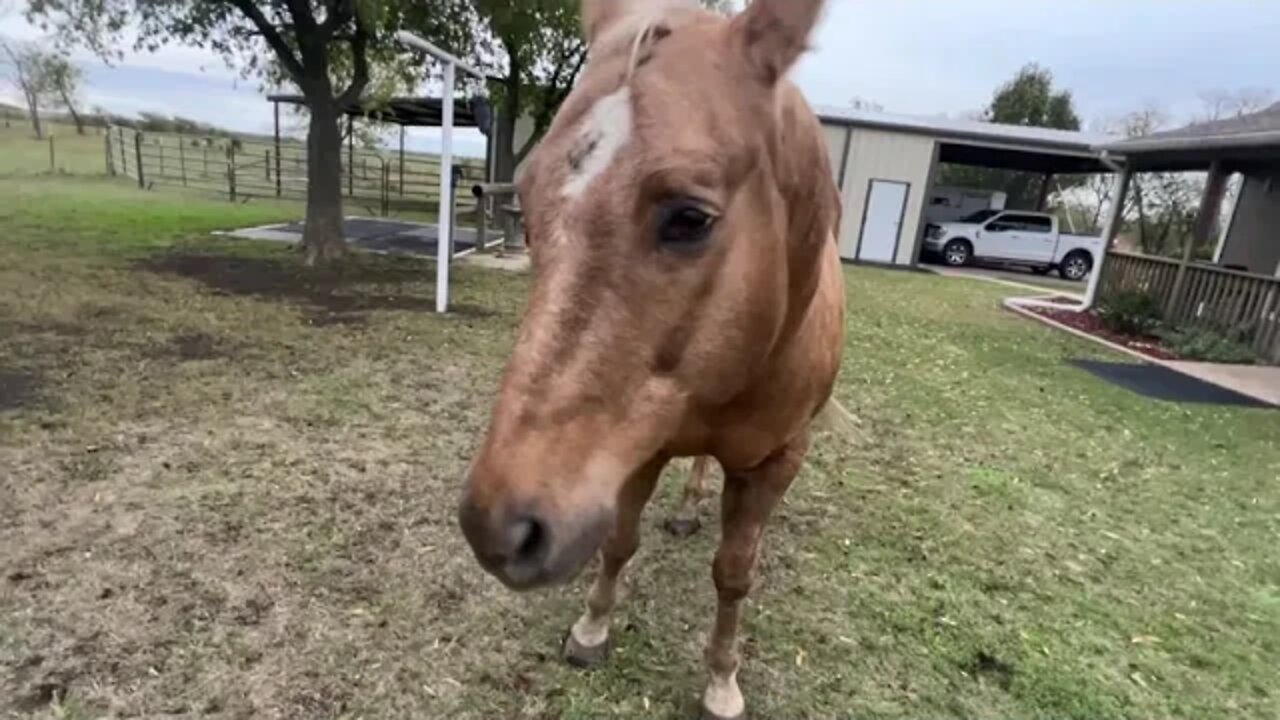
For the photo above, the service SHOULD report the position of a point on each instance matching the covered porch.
(1238, 292)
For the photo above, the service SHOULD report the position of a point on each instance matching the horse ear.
(775, 33)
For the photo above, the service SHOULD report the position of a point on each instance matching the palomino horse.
(687, 301)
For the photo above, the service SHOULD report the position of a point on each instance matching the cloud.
(923, 57)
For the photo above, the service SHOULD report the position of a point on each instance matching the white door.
(886, 204)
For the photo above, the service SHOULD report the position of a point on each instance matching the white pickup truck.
(1014, 237)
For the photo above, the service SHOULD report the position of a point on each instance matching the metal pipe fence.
(241, 170)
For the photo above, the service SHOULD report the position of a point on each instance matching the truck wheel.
(957, 253)
(1076, 266)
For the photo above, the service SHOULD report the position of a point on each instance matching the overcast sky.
(911, 56)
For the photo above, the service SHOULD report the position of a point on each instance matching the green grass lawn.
(72, 153)
(227, 489)
(21, 155)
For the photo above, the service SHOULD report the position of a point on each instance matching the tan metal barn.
(886, 166)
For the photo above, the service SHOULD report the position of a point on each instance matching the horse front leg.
(685, 522)
(748, 501)
(588, 642)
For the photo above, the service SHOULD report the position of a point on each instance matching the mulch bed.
(1088, 322)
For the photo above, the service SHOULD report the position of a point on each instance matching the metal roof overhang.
(1006, 147)
(406, 111)
(1023, 157)
(1240, 152)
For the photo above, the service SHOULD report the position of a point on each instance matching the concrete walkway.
(1260, 382)
(1021, 281)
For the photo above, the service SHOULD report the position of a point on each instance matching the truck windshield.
(980, 217)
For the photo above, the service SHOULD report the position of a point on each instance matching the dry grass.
(227, 490)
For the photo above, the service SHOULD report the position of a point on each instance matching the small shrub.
(1131, 312)
(1209, 345)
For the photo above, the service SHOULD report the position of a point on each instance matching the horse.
(687, 300)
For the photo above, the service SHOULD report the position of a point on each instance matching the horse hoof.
(583, 657)
(683, 528)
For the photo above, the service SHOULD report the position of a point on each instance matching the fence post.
(137, 149)
(182, 158)
(386, 189)
(351, 156)
(53, 165)
(124, 151)
(231, 172)
(106, 144)
(160, 149)
(204, 152)
(266, 163)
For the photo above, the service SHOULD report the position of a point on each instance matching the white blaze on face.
(605, 132)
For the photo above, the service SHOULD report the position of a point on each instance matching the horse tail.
(837, 420)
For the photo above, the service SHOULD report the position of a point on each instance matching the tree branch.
(300, 10)
(288, 60)
(559, 91)
(360, 64)
(338, 12)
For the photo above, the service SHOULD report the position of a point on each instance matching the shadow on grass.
(336, 296)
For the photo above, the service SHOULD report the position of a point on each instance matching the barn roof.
(1241, 141)
(407, 111)
(972, 130)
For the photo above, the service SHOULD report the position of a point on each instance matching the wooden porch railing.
(1227, 300)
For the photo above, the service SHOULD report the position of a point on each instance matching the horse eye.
(684, 226)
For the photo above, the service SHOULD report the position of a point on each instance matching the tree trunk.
(33, 108)
(322, 239)
(75, 116)
(508, 117)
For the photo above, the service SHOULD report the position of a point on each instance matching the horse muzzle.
(527, 548)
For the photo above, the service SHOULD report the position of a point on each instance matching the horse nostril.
(527, 541)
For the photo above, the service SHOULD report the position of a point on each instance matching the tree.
(64, 79)
(1029, 99)
(28, 68)
(1223, 104)
(324, 47)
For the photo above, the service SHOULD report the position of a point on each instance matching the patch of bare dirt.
(193, 346)
(18, 389)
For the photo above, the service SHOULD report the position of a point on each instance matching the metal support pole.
(351, 156)
(401, 161)
(1115, 218)
(451, 65)
(1210, 203)
(444, 244)
(279, 189)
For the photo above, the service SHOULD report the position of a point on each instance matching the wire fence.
(237, 169)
